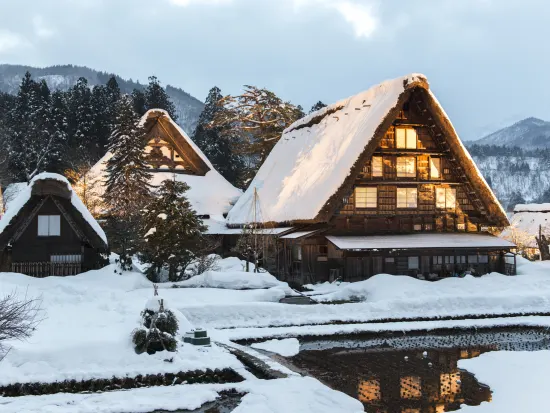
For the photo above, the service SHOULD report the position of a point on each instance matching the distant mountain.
(188, 108)
(530, 133)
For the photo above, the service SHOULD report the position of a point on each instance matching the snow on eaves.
(315, 155)
(532, 207)
(25, 193)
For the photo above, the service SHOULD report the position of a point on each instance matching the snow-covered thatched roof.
(26, 192)
(526, 222)
(209, 194)
(317, 158)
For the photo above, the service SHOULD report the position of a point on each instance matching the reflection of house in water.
(410, 382)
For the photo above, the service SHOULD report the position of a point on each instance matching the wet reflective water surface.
(410, 374)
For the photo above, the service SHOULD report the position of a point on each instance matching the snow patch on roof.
(25, 194)
(315, 155)
(532, 207)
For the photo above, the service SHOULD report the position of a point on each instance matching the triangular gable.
(160, 128)
(318, 158)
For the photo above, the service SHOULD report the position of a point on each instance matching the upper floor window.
(407, 197)
(406, 167)
(435, 168)
(377, 166)
(405, 138)
(366, 197)
(445, 198)
(49, 225)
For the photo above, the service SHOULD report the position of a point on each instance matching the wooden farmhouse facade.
(171, 154)
(377, 183)
(47, 230)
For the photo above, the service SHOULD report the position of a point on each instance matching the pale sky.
(488, 61)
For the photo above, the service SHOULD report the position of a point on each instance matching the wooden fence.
(45, 269)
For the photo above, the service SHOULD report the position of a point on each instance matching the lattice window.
(407, 197)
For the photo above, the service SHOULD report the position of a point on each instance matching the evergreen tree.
(157, 98)
(215, 144)
(159, 328)
(140, 105)
(319, 105)
(127, 188)
(255, 122)
(34, 145)
(173, 232)
(81, 122)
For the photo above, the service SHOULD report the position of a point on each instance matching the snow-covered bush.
(201, 264)
(159, 329)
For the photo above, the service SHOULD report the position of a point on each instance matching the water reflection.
(410, 374)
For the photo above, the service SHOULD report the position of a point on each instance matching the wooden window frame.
(432, 168)
(362, 202)
(377, 171)
(446, 191)
(407, 197)
(410, 134)
(401, 165)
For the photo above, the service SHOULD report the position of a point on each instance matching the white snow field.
(287, 347)
(90, 317)
(518, 380)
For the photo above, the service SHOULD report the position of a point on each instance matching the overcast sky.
(488, 61)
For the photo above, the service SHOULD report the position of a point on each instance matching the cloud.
(10, 41)
(41, 29)
(185, 3)
(360, 16)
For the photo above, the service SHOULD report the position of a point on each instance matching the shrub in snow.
(159, 329)
(177, 235)
(201, 264)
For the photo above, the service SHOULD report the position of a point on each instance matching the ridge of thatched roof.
(318, 157)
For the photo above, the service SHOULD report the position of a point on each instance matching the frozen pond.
(410, 374)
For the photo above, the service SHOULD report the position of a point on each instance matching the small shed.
(46, 230)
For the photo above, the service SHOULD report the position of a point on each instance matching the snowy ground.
(518, 380)
(89, 319)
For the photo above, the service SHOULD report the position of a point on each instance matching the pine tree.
(127, 189)
(157, 98)
(81, 122)
(138, 98)
(31, 135)
(173, 231)
(255, 122)
(159, 329)
(319, 105)
(215, 144)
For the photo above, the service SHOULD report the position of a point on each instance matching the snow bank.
(87, 330)
(232, 280)
(518, 380)
(287, 347)
(532, 207)
(396, 297)
(295, 394)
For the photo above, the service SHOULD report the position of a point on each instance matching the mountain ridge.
(63, 77)
(528, 133)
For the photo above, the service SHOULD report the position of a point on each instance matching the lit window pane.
(411, 387)
(366, 197)
(412, 197)
(435, 168)
(440, 197)
(406, 166)
(411, 138)
(377, 168)
(450, 197)
(400, 137)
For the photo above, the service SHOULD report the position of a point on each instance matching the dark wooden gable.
(417, 108)
(51, 197)
(168, 150)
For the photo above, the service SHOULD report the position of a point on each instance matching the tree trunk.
(543, 243)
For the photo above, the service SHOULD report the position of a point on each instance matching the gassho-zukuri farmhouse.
(376, 183)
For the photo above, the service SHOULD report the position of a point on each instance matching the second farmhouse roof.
(303, 177)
